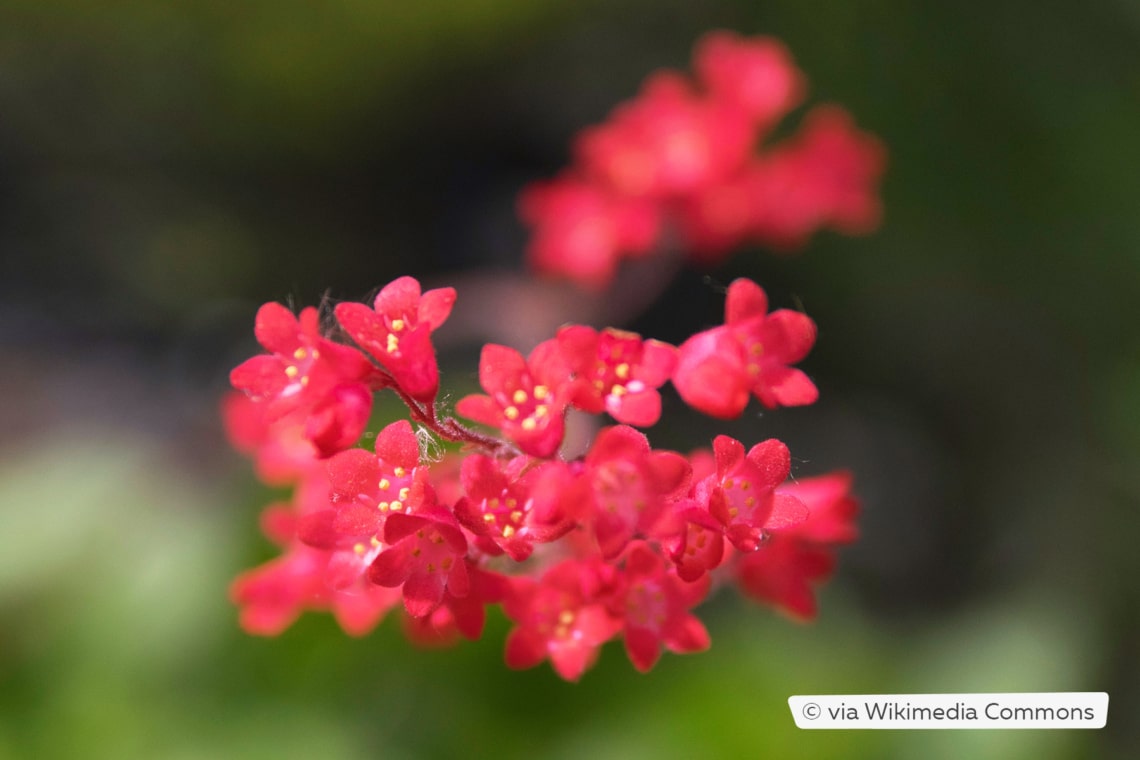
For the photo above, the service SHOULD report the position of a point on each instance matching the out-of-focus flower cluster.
(681, 162)
(622, 541)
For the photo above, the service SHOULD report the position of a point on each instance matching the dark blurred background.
(167, 167)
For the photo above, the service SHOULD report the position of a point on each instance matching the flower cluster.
(681, 158)
(624, 540)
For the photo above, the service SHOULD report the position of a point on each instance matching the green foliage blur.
(165, 167)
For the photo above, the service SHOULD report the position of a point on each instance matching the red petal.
(729, 452)
(787, 511)
(391, 568)
(745, 300)
(423, 593)
(317, 529)
(277, 329)
(399, 526)
(788, 335)
(789, 387)
(643, 648)
(399, 299)
(501, 368)
(524, 649)
(773, 460)
(692, 636)
(480, 408)
(396, 444)
(353, 472)
(435, 306)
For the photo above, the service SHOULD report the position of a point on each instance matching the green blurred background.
(165, 167)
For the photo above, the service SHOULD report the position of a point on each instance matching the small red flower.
(631, 486)
(757, 74)
(617, 372)
(581, 230)
(527, 396)
(655, 606)
(365, 488)
(425, 556)
(397, 331)
(307, 374)
(718, 369)
(666, 142)
(564, 617)
(785, 569)
(742, 494)
(499, 506)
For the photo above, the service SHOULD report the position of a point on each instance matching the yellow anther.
(393, 343)
(541, 410)
(511, 413)
(622, 371)
(382, 506)
(399, 472)
(508, 531)
(359, 548)
(493, 502)
(753, 369)
(516, 516)
(404, 493)
(375, 542)
(618, 390)
(519, 396)
(529, 424)
(730, 483)
(745, 485)
(396, 506)
(733, 512)
(566, 617)
(305, 380)
(397, 325)
(385, 484)
(291, 371)
(540, 392)
(750, 502)
(488, 518)
(599, 384)
(756, 349)
(300, 353)
(511, 502)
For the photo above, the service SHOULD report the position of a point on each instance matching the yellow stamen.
(404, 492)
(519, 396)
(393, 343)
(291, 372)
(396, 506)
(511, 413)
(397, 325)
(541, 392)
(385, 484)
(399, 472)
(622, 371)
(529, 424)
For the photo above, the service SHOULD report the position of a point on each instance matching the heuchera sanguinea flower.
(682, 156)
(526, 397)
(785, 570)
(397, 332)
(718, 369)
(617, 372)
(308, 375)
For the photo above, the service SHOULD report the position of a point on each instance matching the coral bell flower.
(617, 372)
(562, 617)
(718, 369)
(308, 374)
(397, 331)
(757, 75)
(655, 607)
(526, 396)
(426, 557)
(742, 496)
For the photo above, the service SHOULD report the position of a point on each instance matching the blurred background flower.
(167, 167)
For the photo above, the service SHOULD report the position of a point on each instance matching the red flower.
(499, 505)
(366, 488)
(307, 374)
(617, 372)
(742, 494)
(581, 230)
(717, 369)
(564, 617)
(786, 568)
(756, 75)
(425, 556)
(397, 331)
(631, 486)
(667, 142)
(526, 398)
(281, 452)
(655, 607)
